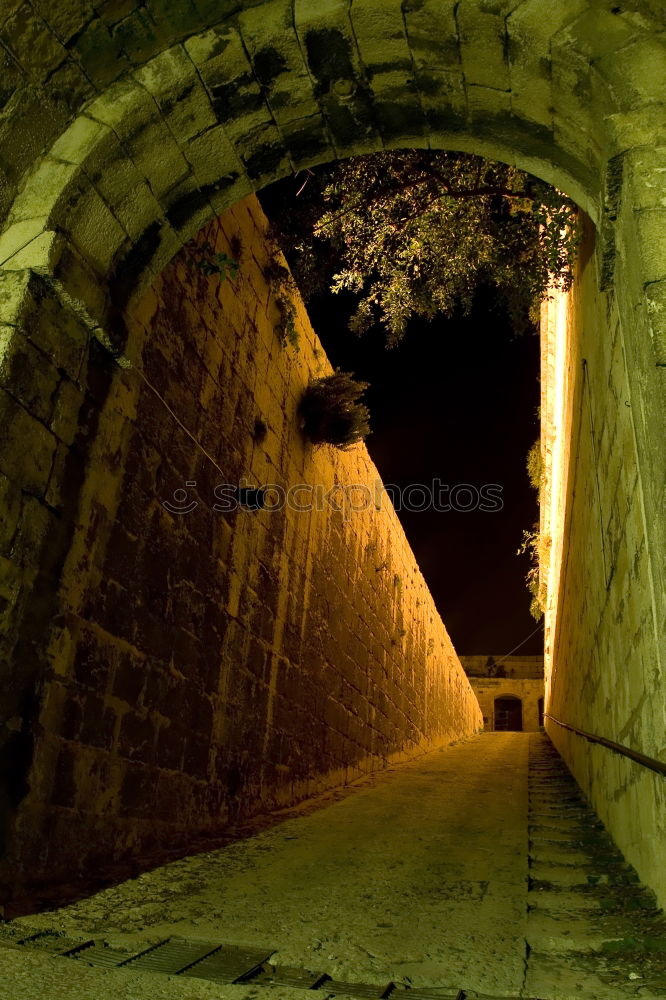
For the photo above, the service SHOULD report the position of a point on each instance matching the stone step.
(554, 821)
(552, 901)
(546, 933)
(554, 854)
(601, 927)
(580, 875)
(586, 979)
(557, 837)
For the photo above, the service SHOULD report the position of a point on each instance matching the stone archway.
(137, 128)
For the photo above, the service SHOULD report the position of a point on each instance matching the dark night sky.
(455, 400)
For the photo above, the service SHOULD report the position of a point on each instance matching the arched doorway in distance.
(508, 714)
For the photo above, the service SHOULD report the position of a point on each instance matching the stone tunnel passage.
(476, 866)
(121, 138)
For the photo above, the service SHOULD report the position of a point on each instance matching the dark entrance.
(540, 710)
(508, 714)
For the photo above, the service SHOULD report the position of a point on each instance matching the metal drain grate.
(102, 956)
(55, 943)
(220, 963)
(171, 957)
(333, 987)
(283, 975)
(230, 965)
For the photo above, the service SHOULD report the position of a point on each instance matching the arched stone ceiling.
(126, 128)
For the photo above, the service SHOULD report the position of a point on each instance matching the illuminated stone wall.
(207, 665)
(125, 128)
(515, 676)
(602, 513)
(528, 692)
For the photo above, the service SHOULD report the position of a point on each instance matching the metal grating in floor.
(224, 964)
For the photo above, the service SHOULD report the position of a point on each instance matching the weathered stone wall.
(528, 691)
(509, 666)
(210, 665)
(124, 128)
(605, 626)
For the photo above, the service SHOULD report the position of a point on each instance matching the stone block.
(172, 80)
(125, 107)
(400, 115)
(70, 89)
(651, 234)
(47, 119)
(187, 207)
(95, 232)
(98, 723)
(36, 525)
(213, 158)
(598, 33)
(14, 295)
(40, 254)
(277, 61)
(138, 791)
(83, 287)
(10, 509)
(169, 752)
(64, 788)
(138, 210)
(27, 373)
(483, 46)
(67, 19)
(656, 309)
(163, 172)
(18, 236)
(432, 33)
(100, 53)
(79, 141)
(380, 36)
(48, 186)
(307, 140)
(139, 37)
(174, 20)
(32, 41)
(222, 61)
(636, 73)
(137, 737)
(645, 176)
(638, 127)
(26, 446)
(263, 155)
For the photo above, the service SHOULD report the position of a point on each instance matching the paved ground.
(419, 876)
(454, 870)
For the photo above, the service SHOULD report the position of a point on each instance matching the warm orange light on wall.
(556, 389)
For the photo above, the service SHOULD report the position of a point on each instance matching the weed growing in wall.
(533, 544)
(204, 258)
(284, 291)
(331, 411)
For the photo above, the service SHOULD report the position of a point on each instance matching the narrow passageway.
(476, 867)
(422, 867)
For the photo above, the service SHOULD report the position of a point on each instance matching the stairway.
(593, 930)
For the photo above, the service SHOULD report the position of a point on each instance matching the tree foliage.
(413, 232)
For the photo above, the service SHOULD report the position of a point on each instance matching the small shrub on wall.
(331, 412)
